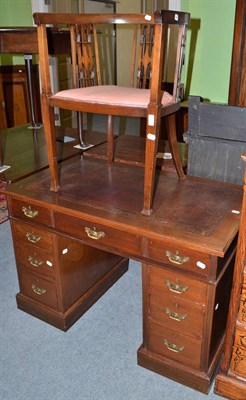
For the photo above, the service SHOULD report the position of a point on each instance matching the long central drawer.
(99, 235)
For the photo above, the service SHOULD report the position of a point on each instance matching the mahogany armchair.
(143, 98)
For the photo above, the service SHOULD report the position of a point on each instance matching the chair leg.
(152, 139)
(110, 139)
(173, 143)
(48, 117)
(82, 143)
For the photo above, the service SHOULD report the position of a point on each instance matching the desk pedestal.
(184, 321)
(60, 277)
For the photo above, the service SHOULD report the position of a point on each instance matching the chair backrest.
(85, 55)
(150, 40)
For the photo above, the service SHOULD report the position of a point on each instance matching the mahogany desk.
(73, 245)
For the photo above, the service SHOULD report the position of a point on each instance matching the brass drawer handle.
(34, 262)
(29, 213)
(173, 347)
(93, 234)
(173, 287)
(38, 290)
(176, 259)
(32, 238)
(174, 315)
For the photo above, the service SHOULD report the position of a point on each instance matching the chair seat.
(111, 95)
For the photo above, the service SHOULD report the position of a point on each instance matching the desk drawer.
(181, 258)
(96, 234)
(177, 314)
(38, 289)
(35, 259)
(175, 346)
(31, 234)
(29, 212)
(164, 282)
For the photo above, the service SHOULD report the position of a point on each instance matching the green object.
(15, 13)
(209, 76)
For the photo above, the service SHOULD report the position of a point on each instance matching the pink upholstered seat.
(111, 94)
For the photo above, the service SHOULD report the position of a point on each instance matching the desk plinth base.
(197, 380)
(230, 387)
(64, 320)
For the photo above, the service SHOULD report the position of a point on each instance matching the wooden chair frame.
(152, 112)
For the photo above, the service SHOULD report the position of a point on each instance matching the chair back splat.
(143, 96)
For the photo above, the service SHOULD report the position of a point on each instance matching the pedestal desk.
(73, 245)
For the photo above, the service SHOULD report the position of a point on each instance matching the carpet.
(3, 205)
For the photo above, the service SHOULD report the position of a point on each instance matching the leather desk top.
(196, 213)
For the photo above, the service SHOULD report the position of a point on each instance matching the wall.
(124, 40)
(206, 72)
(207, 69)
(15, 13)
(125, 34)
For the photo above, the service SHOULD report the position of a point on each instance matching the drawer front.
(175, 346)
(180, 258)
(34, 235)
(35, 259)
(38, 289)
(29, 212)
(177, 314)
(96, 234)
(163, 282)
